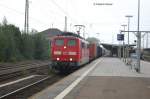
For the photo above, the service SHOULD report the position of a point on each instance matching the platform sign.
(120, 37)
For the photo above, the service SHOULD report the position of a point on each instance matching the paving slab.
(115, 67)
(111, 88)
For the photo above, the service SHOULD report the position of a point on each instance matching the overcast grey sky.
(106, 20)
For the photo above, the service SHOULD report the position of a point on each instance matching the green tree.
(9, 42)
(27, 46)
(41, 47)
(4, 21)
(15, 46)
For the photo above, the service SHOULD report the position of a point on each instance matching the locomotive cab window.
(71, 42)
(59, 42)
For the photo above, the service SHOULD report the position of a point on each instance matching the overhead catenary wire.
(63, 11)
(39, 21)
(22, 14)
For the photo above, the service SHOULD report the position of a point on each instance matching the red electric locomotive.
(69, 51)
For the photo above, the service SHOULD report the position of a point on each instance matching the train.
(95, 51)
(145, 54)
(70, 51)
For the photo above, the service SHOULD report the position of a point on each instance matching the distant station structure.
(51, 32)
(113, 48)
(146, 54)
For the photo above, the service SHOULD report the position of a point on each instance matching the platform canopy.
(113, 48)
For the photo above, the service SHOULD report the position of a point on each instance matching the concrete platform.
(105, 78)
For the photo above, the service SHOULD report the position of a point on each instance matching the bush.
(27, 46)
(15, 46)
(9, 43)
(41, 47)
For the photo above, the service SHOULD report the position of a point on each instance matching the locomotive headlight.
(58, 59)
(70, 59)
(64, 47)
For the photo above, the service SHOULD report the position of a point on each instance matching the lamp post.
(138, 40)
(128, 16)
(147, 41)
(143, 39)
(124, 28)
(26, 24)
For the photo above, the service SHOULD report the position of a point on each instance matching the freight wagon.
(95, 51)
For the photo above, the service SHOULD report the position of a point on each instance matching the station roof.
(114, 46)
(51, 32)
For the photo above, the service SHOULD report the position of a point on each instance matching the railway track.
(9, 70)
(27, 87)
(8, 67)
(14, 85)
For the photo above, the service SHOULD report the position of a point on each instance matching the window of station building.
(59, 42)
(71, 42)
